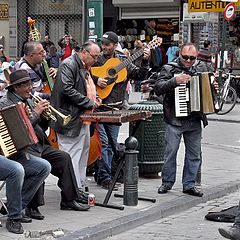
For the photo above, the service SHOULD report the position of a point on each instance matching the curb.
(122, 224)
(223, 120)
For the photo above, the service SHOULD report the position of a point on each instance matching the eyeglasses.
(94, 57)
(186, 57)
(26, 84)
(42, 52)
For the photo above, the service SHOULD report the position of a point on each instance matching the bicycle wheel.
(228, 101)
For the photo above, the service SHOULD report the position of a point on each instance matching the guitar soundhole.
(112, 72)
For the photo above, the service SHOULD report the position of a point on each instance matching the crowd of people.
(77, 89)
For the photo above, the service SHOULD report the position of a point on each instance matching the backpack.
(225, 215)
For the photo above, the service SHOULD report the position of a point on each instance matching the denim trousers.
(23, 177)
(191, 131)
(105, 164)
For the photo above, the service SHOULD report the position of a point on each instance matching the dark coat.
(69, 95)
(166, 84)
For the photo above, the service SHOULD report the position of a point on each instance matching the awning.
(153, 12)
(138, 9)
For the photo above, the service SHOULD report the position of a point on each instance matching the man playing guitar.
(116, 82)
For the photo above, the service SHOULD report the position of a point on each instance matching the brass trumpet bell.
(48, 113)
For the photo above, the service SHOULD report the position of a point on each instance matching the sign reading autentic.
(207, 6)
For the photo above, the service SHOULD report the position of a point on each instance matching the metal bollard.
(130, 195)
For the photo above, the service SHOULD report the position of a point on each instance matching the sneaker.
(232, 232)
(14, 226)
(107, 184)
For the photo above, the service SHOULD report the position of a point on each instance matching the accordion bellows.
(16, 131)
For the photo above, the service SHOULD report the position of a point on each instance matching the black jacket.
(69, 95)
(36, 122)
(166, 84)
(133, 72)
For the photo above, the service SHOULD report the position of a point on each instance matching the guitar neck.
(129, 60)
(49, 79)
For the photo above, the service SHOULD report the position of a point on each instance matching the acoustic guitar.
(114, 70)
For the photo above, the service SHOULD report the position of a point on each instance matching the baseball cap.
(109, 37)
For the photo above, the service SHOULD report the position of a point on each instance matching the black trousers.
(62, 168)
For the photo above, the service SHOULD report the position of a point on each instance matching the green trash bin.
(150, 135)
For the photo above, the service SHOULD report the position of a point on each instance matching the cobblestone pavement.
(187, 225)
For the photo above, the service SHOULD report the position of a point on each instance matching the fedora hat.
(18, 76)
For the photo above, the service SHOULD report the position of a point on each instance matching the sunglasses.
(186, 57)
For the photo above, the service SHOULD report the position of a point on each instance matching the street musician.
(112, 90)
(74, 93)
(19, 90)
(172, 76)
(32, 61)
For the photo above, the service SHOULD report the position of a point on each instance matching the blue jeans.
(192, 133)
(105, 164)
(23, 178)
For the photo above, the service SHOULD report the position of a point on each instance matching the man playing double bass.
(32, 61)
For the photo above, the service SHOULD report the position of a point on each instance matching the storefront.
(144, 20)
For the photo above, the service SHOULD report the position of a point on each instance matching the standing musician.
(74, 93)
(19, 91)
(170, 77)
(109, 44)
(34, 55)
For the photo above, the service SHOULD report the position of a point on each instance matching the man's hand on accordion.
(182, 78)
(27, 110)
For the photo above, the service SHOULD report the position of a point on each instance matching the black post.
(130, 196)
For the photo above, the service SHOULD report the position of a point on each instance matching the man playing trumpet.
(19, 90)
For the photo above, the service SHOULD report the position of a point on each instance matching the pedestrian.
(73, 94)
(47, 43)
(172, 75)
(114, 95)
(53, 57)
(206, 56)
(232, 232)
(67, 44)
(19, 90)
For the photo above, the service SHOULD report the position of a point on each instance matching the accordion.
(16, 131)
(196, 96)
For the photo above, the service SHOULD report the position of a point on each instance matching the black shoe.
(74, 205)
(107, 185)
(83, 197)
(14, 226)
(194, 192)
(34, 213)
(3, 211)
(231, 232)
(163, 189)
(25, 219)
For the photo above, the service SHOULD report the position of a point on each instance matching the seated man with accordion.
(22, 172)
(188, 95)
(19, 90)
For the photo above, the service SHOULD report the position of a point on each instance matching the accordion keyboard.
(7, 146)
(181, 100)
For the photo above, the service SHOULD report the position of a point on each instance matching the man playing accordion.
(171, 76)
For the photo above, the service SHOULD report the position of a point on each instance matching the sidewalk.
(219, 178)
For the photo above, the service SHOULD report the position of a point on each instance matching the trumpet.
(48, 112)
